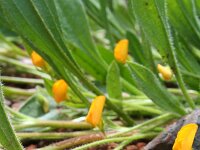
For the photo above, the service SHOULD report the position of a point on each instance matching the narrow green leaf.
(180, 13)
(113, 84)
(185, 57)
(151, 86)
(135, 48)
(8, 138)
(71, 16)
(158, 32)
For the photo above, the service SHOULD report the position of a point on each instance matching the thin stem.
(66, 144)
(19, 80)
(23, 67)
(14, 48)
(53, 124)
(18, 114)
(136, 137)
(179, 92)
(184, 90)
(137, 107)
(51, 135)
(119, 139)
(157, 120)
(9, 91)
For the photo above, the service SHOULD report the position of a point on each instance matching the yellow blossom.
(59, 90)
(165, 72)
(121, 51)
(94, 116)
(37, 59)
(185, 137)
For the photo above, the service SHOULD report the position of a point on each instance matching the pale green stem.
(9, 91)
(136, 137)
(19, 80)
(137, 107)
(192, 93)
(157, 120)
(24, 67)
(18, 114)
(14, 48)
(51, 135)
(53, 124)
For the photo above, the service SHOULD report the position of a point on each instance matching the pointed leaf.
(151, 86)
(114, 87)
(8, 138)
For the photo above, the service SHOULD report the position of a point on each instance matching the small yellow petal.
(165, 72)
(185, 137)
(121, 51)
(94, 116)
(59, 90)
(37, 59)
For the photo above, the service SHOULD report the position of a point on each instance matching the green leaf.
(158, 32)
(71, 16)
(89, 65)
(8, 138)
(185, 57)
(135, 48)
(182, 17)
(39, 104)
(113, 84)
(106, 54)
(151, 86)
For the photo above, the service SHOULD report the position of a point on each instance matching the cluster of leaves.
(77, 37)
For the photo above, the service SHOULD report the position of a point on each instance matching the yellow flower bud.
(59, 90)
(37, 59)
(94, 116)
(185, 137)
(165, 72)
(121, 51)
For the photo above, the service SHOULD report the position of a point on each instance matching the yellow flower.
(185, 137)
(165, 72)
(121, 51)
(95, 112)
(59, 90)
(37, 59)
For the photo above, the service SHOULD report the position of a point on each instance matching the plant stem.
(23, 67)
(15, 49)
(136, 137)
(53, 124)
(118, 139)
(9, 91)
(183, 88)
(19, 80)
(66, 144)
(51, 135)
(192, 93)
(157, 120)
(137, 107)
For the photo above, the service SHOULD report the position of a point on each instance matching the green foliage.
(158, 32)
(113, 82)
(151, 86)
(7, 136)
(77, 37)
